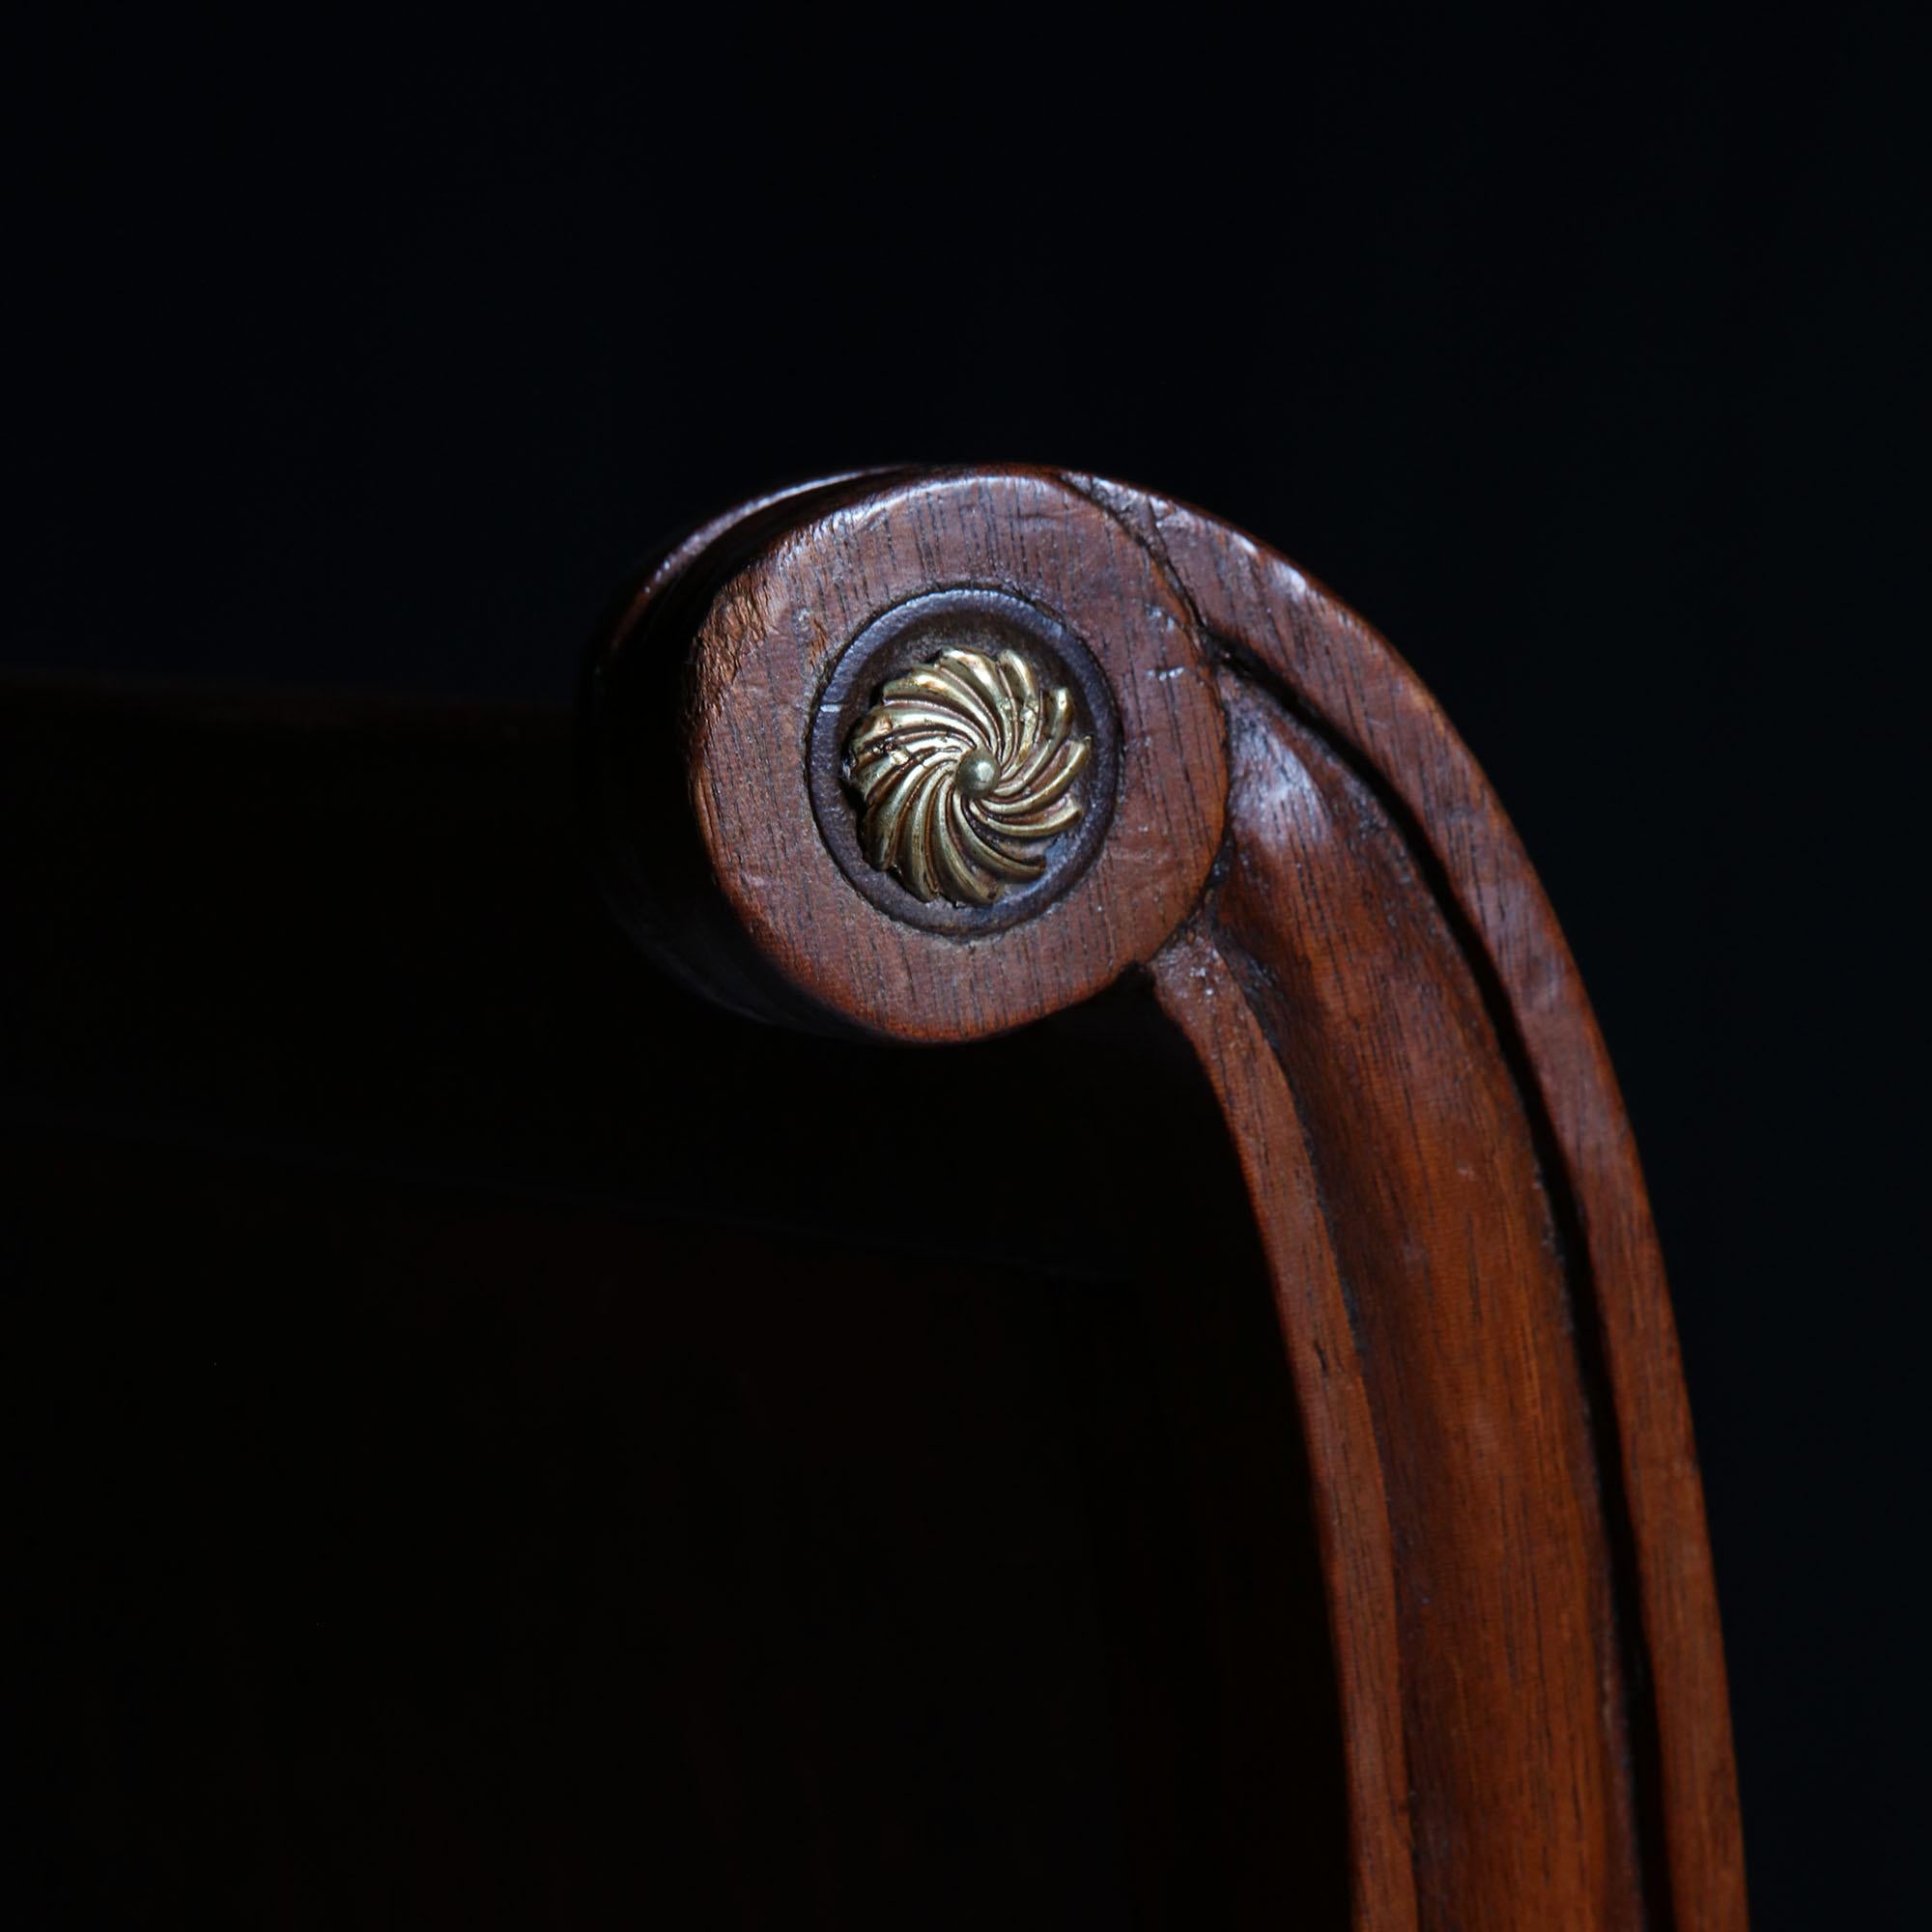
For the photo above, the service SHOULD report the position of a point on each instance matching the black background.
(1584, 364)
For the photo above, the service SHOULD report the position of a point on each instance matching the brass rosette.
(965, 768)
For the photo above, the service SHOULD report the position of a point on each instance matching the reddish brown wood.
(776, 612)
(1360, 694)
(1339, 918)
(1422, 1155)
(1350, 1501)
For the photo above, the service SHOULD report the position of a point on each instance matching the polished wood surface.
(1358, 695)
(1336, 913)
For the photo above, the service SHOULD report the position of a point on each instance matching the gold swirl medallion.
(965, 768)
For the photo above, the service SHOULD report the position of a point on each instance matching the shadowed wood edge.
(1200, 995)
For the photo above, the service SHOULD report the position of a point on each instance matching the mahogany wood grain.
(773, 615)
(1337, 915)
(1357, 691)
(1351, 1503)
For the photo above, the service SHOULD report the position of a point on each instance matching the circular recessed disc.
(965, 740)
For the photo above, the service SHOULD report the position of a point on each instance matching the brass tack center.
(977, 774)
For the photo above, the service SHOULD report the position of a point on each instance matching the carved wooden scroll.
(930, 755)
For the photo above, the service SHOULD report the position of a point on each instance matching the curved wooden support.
(1282, 830)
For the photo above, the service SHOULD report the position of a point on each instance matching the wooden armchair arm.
(1252, 800)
